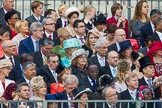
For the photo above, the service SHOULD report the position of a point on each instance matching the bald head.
(120, 35)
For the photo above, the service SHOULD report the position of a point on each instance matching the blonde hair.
(87, 9)
(19, 24)
(130, 75)
(122, 66)
(61, 31)
(61, 8)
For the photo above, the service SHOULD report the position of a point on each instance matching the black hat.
(80, 90)
(144, 61)
(100, 19)
(106, 80)
(125, 45)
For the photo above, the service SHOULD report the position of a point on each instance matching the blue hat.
(125, 45)
(50, 97)
(72, 43)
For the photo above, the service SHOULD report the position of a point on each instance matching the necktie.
(11, 61)
(133, 96)
(94, 85)
(149, 82)
(45, 59)
(113, 107)
(71, 98)
(55, 75)
(50, 36)
(37, 46)
(114, 72)
(65, 23)
(82, 40)
(102, 61)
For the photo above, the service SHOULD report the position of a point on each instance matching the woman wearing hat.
(63, 34)
(126, 52)
(39, 89)
(123, 68)
(72, 14)
(157, 86)
(5, 68)
(155, 54)
(92, 37)
(70, 45)
(79, 63)
(81, 93)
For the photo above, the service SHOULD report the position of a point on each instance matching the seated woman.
(92, 37)
(81, 93)
(63, 34)
(123, 68)
(126, 52)
(4, 35)
(146, 93)
(11, 18)
(21, 27)
(39, 89)
(155, 54)
(59, 86)
(70, 45)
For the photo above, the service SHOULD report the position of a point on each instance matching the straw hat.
(5, 63)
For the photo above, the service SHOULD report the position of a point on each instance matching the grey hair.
(100, 41)
(45, 20)
(71, 79)
(154, 12)
(5, 43)
(34, 26)
(27, 64)
(110, 53)
(47, 41)
(104, 91)
(19, 86)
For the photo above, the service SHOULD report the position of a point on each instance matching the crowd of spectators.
(60, 56)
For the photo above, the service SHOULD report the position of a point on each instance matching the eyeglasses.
(51, 24)
(113, 95)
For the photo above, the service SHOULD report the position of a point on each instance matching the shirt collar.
(36, 17)
(5, 11)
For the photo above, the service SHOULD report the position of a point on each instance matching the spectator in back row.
(37, 9)
(149, 28)
(31, 44)
(8, 5)
(117, 18)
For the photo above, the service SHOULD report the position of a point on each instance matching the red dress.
(56, 88)
(114, 21)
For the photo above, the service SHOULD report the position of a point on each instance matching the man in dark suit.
(71, 82)
(49, 30)
(149, 28)
(100, 58)
(148, 42)
(110, 93)
(147, 68)
(29, 71)
(131, 81)
(49, 72)
(7, 6)
(80, 30)
(23, 92)
(9, 52)
(120, 36)
(40, 57)
(31, 43)
(158, 30)
(37, 9)
(91, 79)
(111, 68)
(17, 72)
